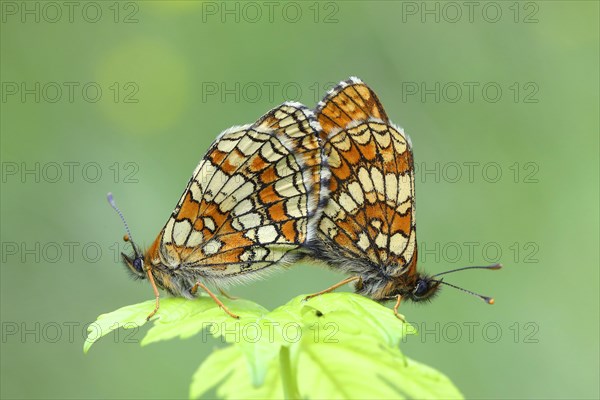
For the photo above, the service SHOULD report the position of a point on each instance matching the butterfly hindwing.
(297, 122)
(370, 214)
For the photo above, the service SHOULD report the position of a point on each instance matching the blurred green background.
(126, 97)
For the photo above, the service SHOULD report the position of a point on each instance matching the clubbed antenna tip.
(492, 267)
(489, 300)
(128, 237)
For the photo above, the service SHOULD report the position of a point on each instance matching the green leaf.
(185, 318)
(227, 367)
(326, 371)
(128, 317)
(352, 315)
(338, 345)
(218, 366)
(259, 356)
(177, 317)
(367, 370)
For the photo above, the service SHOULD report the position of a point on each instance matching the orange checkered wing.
(370, 215)
(248, 203)
(290, 120)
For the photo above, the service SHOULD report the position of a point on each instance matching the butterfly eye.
(138, 264)
(421, 288)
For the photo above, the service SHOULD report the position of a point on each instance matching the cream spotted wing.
(248, 204)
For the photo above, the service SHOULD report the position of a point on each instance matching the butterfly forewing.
(248, 203)
(370, 213)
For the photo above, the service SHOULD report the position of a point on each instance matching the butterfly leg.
(230, 297)
(337, 285)
(198, 284)
(156, 295)
(398, 315)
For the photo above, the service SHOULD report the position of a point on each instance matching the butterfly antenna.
(112, 203)
(489, 300)
(492, 267)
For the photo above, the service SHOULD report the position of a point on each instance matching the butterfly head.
(135, 264)
(424, 288)
(420, 287)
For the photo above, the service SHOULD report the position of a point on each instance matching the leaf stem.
(288, 379)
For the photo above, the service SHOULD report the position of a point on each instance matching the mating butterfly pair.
(336, 185)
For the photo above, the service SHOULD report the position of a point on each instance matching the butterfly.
(368, 227)
(252, 202)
